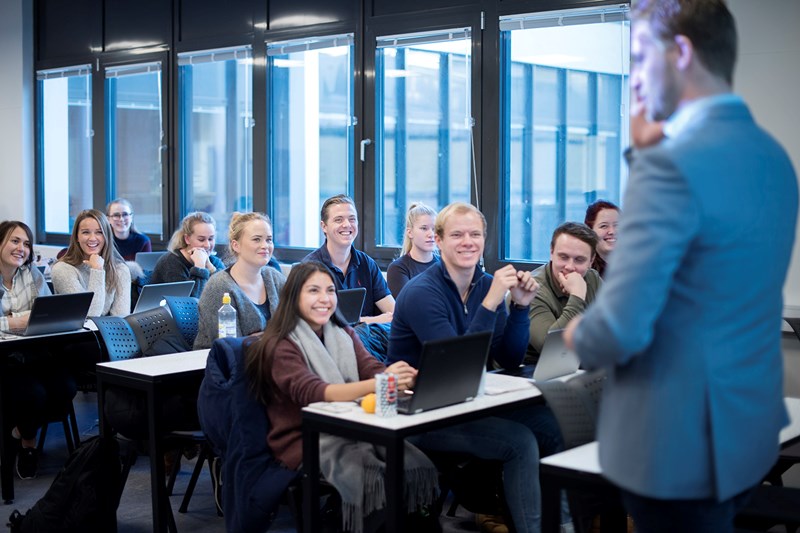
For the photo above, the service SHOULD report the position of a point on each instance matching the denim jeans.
(687, 516)
(514, 444)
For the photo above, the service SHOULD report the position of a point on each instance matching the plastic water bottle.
(226, 318)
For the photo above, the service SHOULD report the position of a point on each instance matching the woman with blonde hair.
(252, 286)
(419, 246)
(93, 264)
(191, 253)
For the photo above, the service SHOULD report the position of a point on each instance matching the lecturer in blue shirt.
(688, 321)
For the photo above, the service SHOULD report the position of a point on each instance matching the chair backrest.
(187, 317)
(118, 337)
(575, 403)
(148, 326)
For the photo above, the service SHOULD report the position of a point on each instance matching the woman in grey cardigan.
(253, 286)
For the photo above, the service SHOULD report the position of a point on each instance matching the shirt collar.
(686, 114)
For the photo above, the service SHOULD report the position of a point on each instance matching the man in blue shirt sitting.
(351, 268)
(455, 297)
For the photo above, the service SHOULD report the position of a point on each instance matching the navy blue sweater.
(429, 307)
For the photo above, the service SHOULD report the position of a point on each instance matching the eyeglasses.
(118, 216)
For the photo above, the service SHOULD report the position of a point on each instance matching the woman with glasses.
(128, 241)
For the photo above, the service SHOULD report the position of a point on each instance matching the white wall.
(16, 111)
(768, 77)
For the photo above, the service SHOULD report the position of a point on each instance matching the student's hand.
(503, 280)
(383, 318)
(406, 374)
(643, 132)
(573, 284)
(525, 290)
(15, 322)
(199, 257)
(569, 332)
(95, 261)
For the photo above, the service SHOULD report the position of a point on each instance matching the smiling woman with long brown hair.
(93, 264)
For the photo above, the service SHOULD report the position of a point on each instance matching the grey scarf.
(354, 468)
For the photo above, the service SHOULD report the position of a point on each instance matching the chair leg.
(76, 434)
(176, 467)
(42, 436)
(198, 468)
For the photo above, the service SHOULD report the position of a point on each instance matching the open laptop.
(148, 260)
(555, 360)
(450, 372)
(351, 302)
(56, 313)
(153, 295)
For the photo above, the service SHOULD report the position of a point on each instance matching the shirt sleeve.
(121, 306)
(397, 276)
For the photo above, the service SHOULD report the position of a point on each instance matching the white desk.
(391, 433)
(584, 462)
(153, 375)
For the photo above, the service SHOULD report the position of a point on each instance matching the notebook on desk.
(450, 372)
(555, 360)
(152, 296)
(351, 302)
(148, 260)
(57, 313)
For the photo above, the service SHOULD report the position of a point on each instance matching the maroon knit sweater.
(300, 387)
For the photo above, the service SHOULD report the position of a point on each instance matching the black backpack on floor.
(84, 495)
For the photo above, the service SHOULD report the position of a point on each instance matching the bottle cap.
(226, 298)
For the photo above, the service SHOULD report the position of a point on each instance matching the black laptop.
(57, 313)
(450, 372)
(351, 302)
(153, 295)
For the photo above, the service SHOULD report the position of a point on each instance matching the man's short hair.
(456, 208)
(707, 23)
(334, 200)
(578, 230)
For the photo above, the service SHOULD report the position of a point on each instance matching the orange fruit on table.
(368, 403)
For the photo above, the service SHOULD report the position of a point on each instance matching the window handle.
(364, 144)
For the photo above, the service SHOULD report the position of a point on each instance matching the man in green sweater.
(567, 284)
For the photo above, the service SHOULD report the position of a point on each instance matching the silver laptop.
(351, 302)
(148, 260)
(57, 313)
(555, 360)
(450, 372)
(152, 296)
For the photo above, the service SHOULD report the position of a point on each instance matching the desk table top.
(159, 365)
(352, 412)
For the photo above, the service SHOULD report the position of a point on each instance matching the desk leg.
(157, 477)
(395, 504)
(551, 504)
(8, 446)
(312, 521)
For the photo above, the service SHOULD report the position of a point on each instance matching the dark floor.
(135, 511)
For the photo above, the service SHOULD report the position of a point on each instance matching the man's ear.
(685, 52)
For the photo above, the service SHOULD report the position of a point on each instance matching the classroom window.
(423, 125)
(310, 136)
(65, 144)
(564, 86)
(136, 144)
(216, 133)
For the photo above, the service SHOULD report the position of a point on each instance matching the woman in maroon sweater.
(307, 354)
